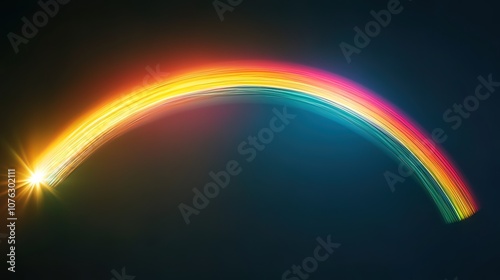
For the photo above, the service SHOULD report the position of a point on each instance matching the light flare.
(37, 178)
(325, 92)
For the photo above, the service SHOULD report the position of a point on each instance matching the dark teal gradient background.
(317, 178)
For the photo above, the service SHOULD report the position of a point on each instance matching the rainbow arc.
(328, 93)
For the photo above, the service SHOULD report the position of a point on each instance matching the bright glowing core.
(36, 178)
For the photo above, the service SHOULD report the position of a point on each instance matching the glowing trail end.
(323, 91)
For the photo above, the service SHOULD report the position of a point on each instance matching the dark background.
(317, 178)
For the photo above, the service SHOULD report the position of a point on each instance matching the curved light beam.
(328, 93)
